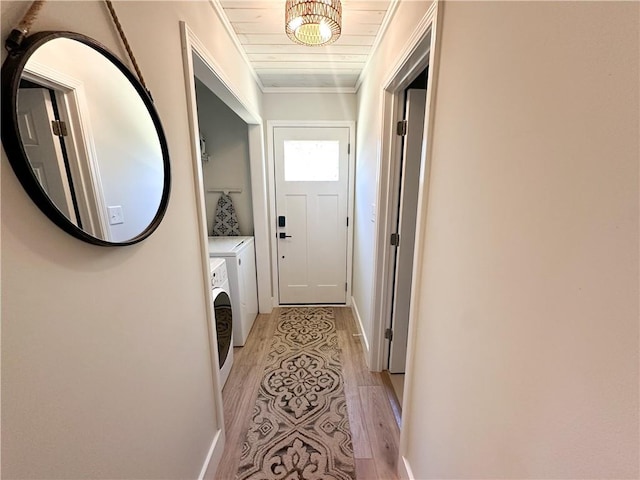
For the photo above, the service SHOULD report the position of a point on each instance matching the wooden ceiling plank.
(279, 4)
(282, 39)
(280, 63)
(294, 48)
(319, 56)
(346, 4)
(276, 16)
(302, 76)
(276, 27)
(308, 72)
(308, 81)
(313, 65)
(366, 5)
(227, 4)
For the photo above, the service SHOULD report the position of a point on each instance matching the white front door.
(312, 184)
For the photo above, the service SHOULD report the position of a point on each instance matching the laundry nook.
(239, 255)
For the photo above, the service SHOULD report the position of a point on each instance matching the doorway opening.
(405, 209)
(226, 171)
(54, 126)
(415, 67)
(311, 172)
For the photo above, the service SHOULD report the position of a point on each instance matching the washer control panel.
(218, 268)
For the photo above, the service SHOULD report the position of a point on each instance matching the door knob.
(284, 235)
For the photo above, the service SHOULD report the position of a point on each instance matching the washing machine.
(223, 315)
(239, 253)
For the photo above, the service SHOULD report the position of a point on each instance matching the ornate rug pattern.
(300, 427)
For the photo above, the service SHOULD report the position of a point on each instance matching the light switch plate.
(116, 216)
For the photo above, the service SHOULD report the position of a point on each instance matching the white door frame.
(212, 75)
(417, 54)
(271, 125)
(82, 155)
(421, 50)
(207, 70)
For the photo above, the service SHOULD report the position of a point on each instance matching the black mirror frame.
(11, 74)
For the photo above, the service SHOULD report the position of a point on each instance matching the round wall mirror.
(84, 139)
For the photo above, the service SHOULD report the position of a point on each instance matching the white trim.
(260, 202)
(415, 56)
(309, 90)
(51, 77)
(219, 9)
(358, 319)
(318, 305)
(410, 47)
(421, 225)
(351, 210)
(221, 85)
(404, 469)
(273, 253)
(271, 125)
(187, 48)
(215, 453)
(376, 43)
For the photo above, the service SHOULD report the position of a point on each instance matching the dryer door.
(224, 323)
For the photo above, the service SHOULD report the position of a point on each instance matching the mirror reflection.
(90, 141)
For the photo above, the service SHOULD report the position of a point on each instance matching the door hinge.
(347, 221)
(401, 128)
(388, 334)
(395, 239)
(59, 128)
(348, 148)
(345, 286)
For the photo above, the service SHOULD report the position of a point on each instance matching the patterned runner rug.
(300, 427)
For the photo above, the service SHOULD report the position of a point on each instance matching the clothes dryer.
(240, 257)
(223, 314)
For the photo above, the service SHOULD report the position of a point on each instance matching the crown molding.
(234, 38)
(391, 11)
(409, 47)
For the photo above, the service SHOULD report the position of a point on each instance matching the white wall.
(309, 106)
(228, 166)
(106, 369)
(526, 346)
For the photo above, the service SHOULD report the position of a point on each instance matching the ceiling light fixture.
(313, 22)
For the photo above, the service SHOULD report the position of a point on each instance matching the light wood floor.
(373, 425)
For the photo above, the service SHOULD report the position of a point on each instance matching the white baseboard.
(291, 305)
(363, 336)
(215, 454)
(404, 469)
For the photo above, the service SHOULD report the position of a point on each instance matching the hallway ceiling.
(280, 64)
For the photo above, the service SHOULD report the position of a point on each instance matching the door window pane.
(311, 160)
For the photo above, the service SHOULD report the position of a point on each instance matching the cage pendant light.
(313, 22)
